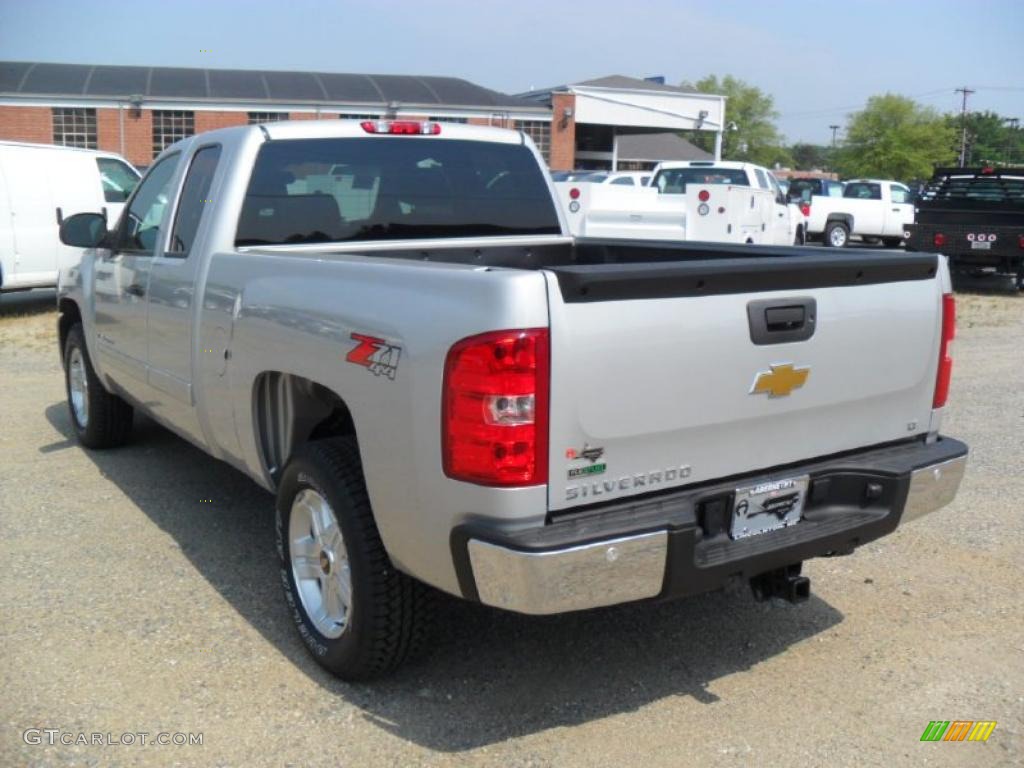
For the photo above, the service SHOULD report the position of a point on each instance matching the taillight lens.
(939, 240)
(703, 195)
(1020, 241)
(805, 209)
(945, 373)
(495, 408)
(574, 193)
(401, 127)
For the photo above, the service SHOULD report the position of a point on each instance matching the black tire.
(800, 238)
(107, 418)
(832, 230)
(389, 615)
(892, 242)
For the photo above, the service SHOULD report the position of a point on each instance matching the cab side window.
(119, 179)
(140, 225)
(863, 191)
(762, 180)
(195, 197)
(900, 194)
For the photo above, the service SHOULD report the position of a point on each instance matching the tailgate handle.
(784, 318)
(780, 321)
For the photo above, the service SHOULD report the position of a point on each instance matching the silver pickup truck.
(386, 324)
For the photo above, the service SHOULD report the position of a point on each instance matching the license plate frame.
(981, 245)
(768, 506)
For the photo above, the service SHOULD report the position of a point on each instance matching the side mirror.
(84, 230)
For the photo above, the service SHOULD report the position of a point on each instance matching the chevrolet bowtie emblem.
(780, 381)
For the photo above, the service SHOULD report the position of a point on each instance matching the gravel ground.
(138, 593)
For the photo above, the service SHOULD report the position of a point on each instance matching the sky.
(819, 59)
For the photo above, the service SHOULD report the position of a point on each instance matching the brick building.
(137, 111)
(613, 122)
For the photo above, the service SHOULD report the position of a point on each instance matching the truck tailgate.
(672, 373)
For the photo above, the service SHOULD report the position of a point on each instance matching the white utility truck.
(718, 202)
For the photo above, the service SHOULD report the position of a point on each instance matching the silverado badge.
(780, 381)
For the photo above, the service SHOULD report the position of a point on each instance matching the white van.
(39, 185)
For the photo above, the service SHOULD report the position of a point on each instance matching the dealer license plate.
(980, 245)
(768, 506)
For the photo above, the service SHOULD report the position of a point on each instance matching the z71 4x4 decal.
(380, 357)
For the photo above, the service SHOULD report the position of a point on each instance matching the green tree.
(809, 157)
(894, 137)
(990, 138)
(755, 137)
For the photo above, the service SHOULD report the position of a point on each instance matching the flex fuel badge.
(590, 454)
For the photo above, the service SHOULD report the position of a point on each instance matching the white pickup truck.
(387, 325)
(873, 209)
(718, 202)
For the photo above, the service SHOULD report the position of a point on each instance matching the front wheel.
(358, 616)
(837, 234)
(100, 419)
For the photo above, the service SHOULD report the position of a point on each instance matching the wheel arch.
(843, 218)
(290, 410)
(69, 315)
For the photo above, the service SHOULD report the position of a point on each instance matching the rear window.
(674, 180)
(862, 190)
(392, 188)
(989, 192)
(803, 189)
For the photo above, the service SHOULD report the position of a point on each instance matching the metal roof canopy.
(631, 105)
(84, 82)
(627, 102)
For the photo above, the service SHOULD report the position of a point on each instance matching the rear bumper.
(677, 544)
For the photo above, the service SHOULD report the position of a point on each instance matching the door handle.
(895, 210)
(135, 290)
(60, 216)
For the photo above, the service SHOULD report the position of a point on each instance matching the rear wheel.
(837, 234)
(358, 615)
(801, 237)
(100, 419)
(892, 242)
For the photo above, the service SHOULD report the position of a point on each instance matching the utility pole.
(832, 154)
(963, 124)
(1014, 123)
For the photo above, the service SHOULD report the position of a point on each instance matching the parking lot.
(140, 593)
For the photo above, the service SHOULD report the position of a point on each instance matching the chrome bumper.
(625, 568)
(933, 487)
(602, 573)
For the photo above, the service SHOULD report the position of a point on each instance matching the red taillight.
(1020, 241)
(945, 361)
(494, 422)
(703, 195)
(401, 127)
(574, 193)
(988, 169)
(805, 209)
(939, 239)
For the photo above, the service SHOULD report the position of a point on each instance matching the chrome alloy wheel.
(320, 563)
(78, 387)
(837, 237)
